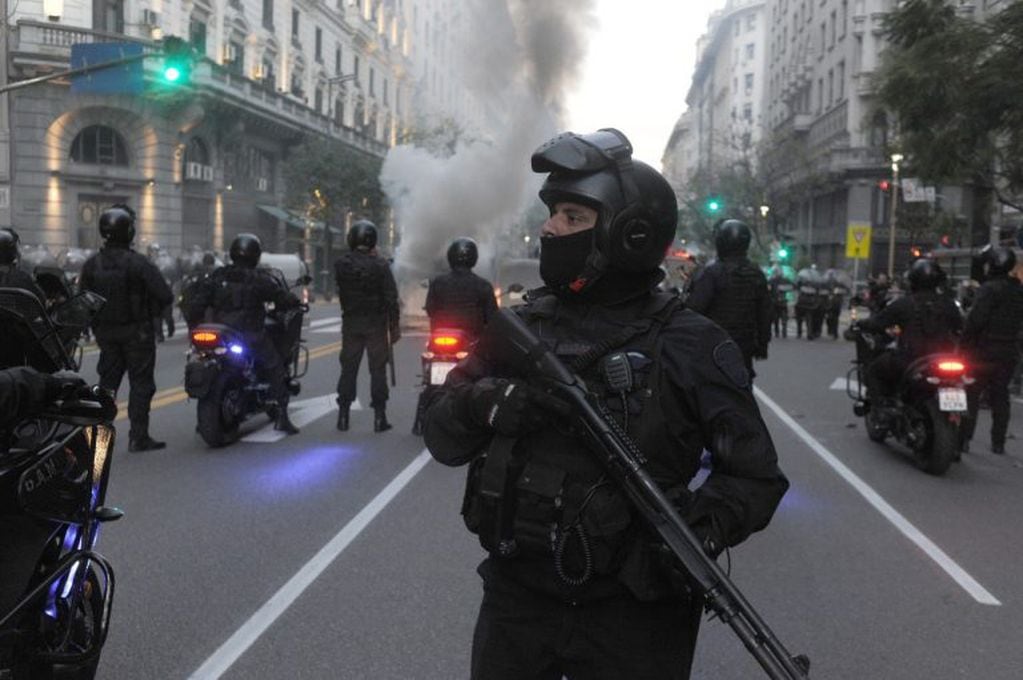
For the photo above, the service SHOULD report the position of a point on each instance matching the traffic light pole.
(896, 159)
(76, 71)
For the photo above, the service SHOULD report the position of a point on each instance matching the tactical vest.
(114, 278)
(545, 494)
(237, 301)
(1006, 312)
(360, 284)
(928, 330)
(735, 303)
(457, 296)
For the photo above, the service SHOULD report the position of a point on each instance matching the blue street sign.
(121, 79)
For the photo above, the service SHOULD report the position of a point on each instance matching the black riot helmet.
(246, 250)
(362, 235)
(8, 246)
(732, 237)
(637, 210)
(463, 253)
(117, 225)
(925, 274)
(1000, 261)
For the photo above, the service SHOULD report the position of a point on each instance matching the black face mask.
(563, 258)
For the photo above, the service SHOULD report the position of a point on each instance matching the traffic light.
(884, 185)
(177, 61)
(713, 204)
(783, 253)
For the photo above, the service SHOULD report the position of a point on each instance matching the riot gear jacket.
(733, 293)
(238, 297)
(133, 287)
(930, 323)
(996, 316)
(689, 391)
(460, 299)
(366, 286)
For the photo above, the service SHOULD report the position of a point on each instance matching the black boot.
(380, 423)
(283, 423)
(144, 443)
(342, 417)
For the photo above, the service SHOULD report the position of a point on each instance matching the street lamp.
(896, 159)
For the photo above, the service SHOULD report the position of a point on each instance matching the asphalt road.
(342, 555)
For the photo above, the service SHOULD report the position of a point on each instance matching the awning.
(295, 220)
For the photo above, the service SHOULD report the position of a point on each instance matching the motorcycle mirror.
(304, 280)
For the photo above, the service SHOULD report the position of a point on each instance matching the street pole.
(896, 159)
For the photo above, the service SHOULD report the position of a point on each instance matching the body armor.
(360, 283)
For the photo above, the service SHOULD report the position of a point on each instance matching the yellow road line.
(173, 395)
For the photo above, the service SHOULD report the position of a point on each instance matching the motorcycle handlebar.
(92, 405)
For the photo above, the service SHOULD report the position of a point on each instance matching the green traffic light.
(713, 206)
(172, 74)
(782, 253)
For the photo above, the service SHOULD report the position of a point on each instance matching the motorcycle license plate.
(952, 399)
(439, 371)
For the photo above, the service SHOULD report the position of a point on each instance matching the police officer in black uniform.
(780, 287)
(732, 292)
(574, 584)
(836, 291)
(369, 307)
(461, 299)
(132, 287)
(990, 340)
(927, 322)
(238, 294)
(11, 276)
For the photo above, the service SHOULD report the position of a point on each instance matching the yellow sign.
(857, 241)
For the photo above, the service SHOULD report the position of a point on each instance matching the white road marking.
(302, 413)
(336, 328)
(221, 660)
(336, 320)
(841, 384)
(958, 574)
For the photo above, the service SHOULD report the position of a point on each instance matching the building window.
(296, 83)
(197, 34)
(845, 17)
(833, 28)
(318, 45)
(268, 14)
(749, 51)
(337, 61)
(385, 91)
(820, 95)
(268, 75)
(747, 113)
(355, 70)
(751, 22)
(235, 61)
(824, 35)
(841, 80)
(372, 81)
(831, 87)
(339, 112)
(99, 145)
(108, 15)
(294, 24)
(318, 100)
(749, 84)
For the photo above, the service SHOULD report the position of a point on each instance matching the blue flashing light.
(237, 349)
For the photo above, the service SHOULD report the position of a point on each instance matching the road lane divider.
(931, 549)
(173, 395)
(224, 657)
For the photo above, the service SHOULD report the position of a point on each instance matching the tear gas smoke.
(521, 57)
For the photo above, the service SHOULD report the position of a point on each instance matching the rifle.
(625, 462)
(390, 357)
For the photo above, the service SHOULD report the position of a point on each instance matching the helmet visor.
(582, 153)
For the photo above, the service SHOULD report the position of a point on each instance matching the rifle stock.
(390, 358)
(625, 462)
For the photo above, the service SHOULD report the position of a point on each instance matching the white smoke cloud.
(521, 56)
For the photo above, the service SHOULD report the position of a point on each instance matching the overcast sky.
(638, 70)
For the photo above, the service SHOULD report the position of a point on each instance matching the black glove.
(511, 407)
(63, 386)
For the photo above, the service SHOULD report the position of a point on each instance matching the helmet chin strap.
(596, 265)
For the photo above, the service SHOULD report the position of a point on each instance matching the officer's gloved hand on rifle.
(64, 386)
(512, 407)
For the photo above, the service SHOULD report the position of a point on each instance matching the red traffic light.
(884, 185)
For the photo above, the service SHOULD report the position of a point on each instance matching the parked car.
(295, 271)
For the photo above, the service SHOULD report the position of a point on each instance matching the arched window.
(99, 145)
(196, 152)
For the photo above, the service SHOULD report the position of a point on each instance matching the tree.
(954, 89)
(325, 178)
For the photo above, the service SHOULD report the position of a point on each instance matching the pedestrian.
(781, 288)
(369, 309)
(132, 287)
(990, 341)
(460, 298)
(732, 292)
(237, 295)
(573, 584)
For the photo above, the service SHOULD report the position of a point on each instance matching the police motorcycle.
(445, 347)
(56, 591)
(929, 404)
(221, 373)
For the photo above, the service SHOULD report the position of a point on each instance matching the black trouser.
(815, 323)
(781, 320)
(522, 635)
(832, 320)
(993, 369)
(130, 348)
(360, 333)
(269, 362)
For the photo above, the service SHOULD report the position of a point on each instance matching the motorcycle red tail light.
(951, 366)
(205, 339)
(445, 343)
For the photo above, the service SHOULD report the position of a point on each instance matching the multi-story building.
(204, 161)
(678, 163)
(725, 99)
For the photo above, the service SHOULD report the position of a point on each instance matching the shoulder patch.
(728, 358)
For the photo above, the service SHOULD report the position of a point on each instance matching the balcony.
(801, 122)
(40, 43)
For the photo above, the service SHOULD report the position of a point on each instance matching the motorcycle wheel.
(876, 430)
(219, 413)
(935, 455)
